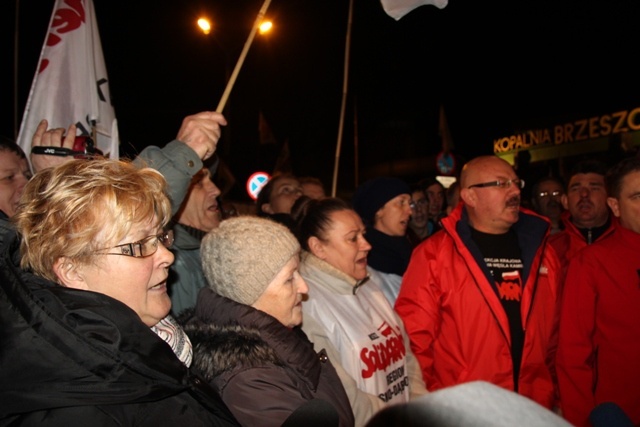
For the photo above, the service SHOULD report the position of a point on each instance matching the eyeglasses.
(145, 247)
(501, 184)
(544, 194)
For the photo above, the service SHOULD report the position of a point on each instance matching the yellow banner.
(571, 132)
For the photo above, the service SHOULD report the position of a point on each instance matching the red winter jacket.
(569, 241)
(458, 328)
(598, 356)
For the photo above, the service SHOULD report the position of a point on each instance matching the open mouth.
(162, 286)
(513, 204)
(584, 206)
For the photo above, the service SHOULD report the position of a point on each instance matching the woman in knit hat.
(384, 204)
(245, 326)
(348, 315)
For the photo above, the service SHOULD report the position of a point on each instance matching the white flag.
(398, 8)
(71, 84)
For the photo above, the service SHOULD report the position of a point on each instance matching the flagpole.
(243, 55)
(345, 82)
(16, 46)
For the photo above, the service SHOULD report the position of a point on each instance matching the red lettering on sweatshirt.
(379, 356)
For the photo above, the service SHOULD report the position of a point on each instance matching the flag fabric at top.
(398, 8)
(71, 84)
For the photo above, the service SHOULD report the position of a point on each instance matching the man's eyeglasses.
(145, 247)
(501, 184)
(544, 194)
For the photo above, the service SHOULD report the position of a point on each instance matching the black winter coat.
(263, 370)
(72, 357)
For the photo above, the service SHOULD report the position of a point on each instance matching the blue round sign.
(445, 163)
(255, 183)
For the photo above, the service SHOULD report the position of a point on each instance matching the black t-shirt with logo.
(503, 257)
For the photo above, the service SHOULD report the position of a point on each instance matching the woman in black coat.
(84, 327)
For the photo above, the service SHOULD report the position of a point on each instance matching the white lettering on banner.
(572, 132)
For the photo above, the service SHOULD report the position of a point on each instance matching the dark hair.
(589, 166)
(417, 186)
(264, 196)
(312, 217)
(7, 144)
(311, 180)
(450, 191)
(616, 174)
(428, 182)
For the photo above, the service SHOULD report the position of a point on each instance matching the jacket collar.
(64, 337)
(532, 231)
(186, 237)
(343, 283)
(572, 229)
(291, 345)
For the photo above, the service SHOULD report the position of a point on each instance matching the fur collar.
(236, 335)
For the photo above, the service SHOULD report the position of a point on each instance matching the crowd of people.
(128, 297)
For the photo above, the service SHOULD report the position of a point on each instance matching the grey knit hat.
(243, 255)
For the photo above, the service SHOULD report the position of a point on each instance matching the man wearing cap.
(479, 298)
(384, 204)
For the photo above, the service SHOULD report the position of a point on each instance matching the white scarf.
(171, 332)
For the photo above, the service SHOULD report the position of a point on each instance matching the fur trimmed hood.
(259, 365)
(220, 349)
(227, 335)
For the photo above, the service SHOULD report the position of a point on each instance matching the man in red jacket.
(479, 297)
(599, 343)
(586, 218)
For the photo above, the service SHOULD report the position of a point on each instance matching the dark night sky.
(496, 66)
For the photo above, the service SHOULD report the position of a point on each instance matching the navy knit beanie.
(374, 194)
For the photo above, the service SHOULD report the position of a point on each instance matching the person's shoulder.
(476, 403)
(599, 251)
(227, 348)
(560, 235)
(437, 243)
(559, 241)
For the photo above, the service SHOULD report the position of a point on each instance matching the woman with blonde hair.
(84, 305)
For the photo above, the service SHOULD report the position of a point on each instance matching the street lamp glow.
(204, 25)
(265, 27)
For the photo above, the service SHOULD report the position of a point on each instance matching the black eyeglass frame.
(500, 184)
